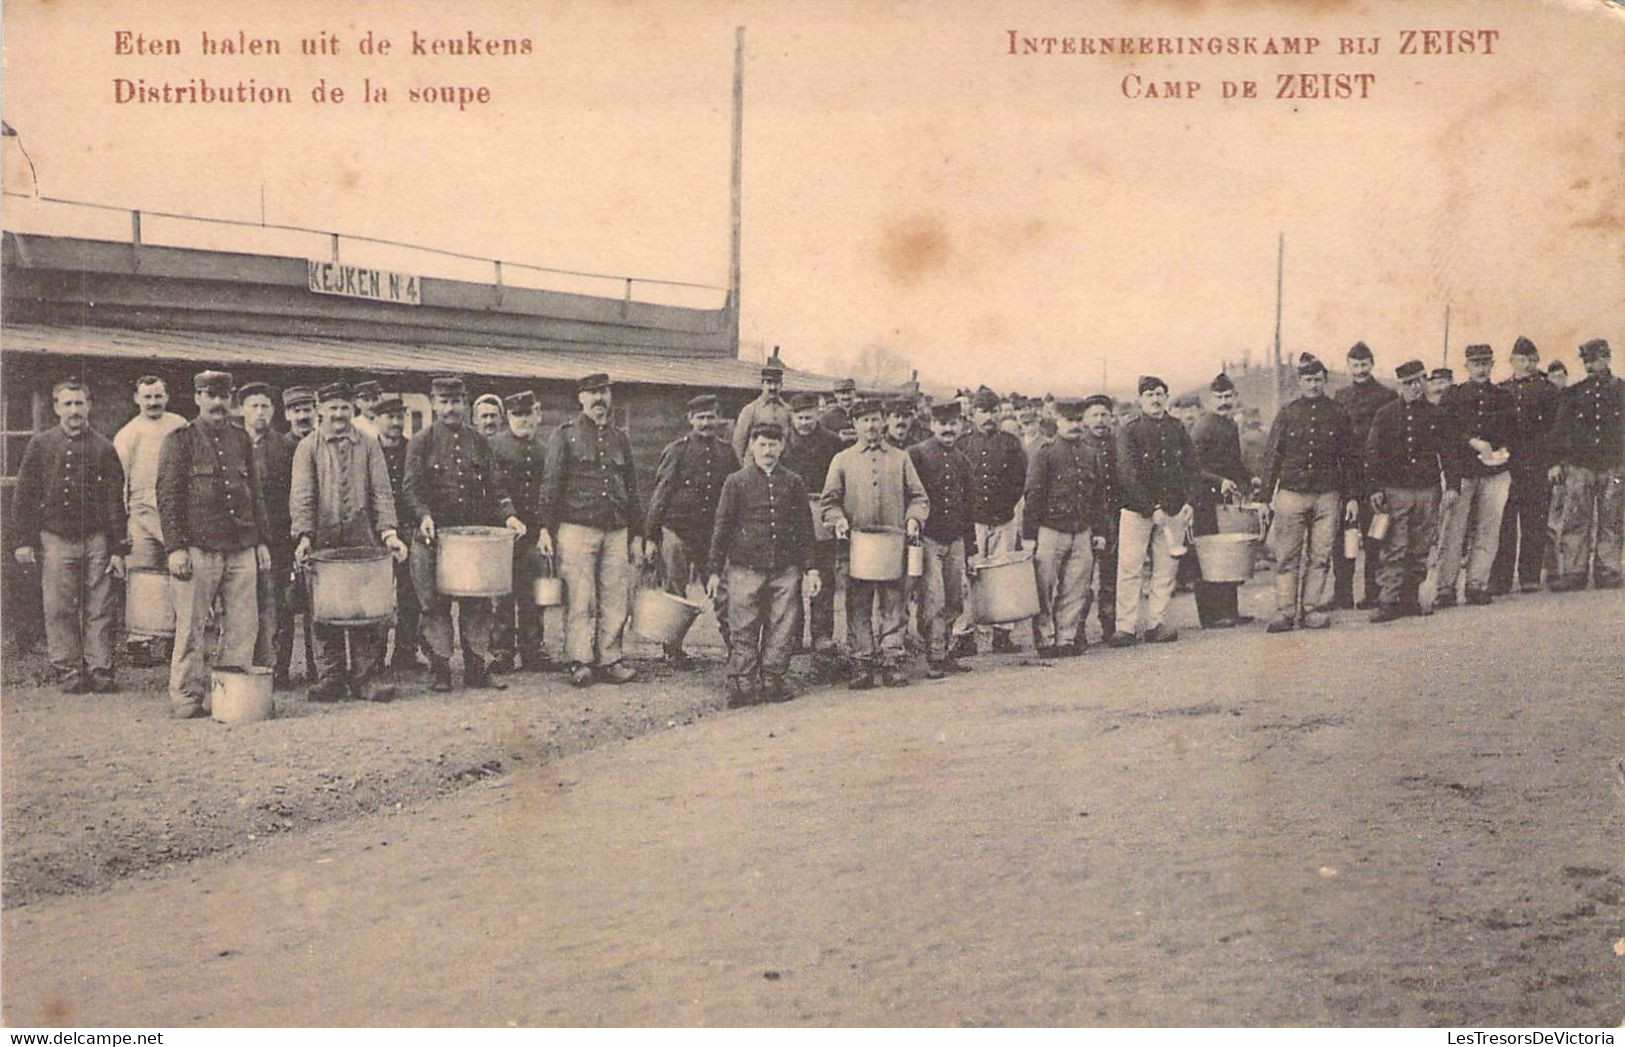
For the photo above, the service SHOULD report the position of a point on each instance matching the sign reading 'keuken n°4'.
(352, 281)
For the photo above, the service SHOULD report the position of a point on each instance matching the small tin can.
(1351, 543)
(1378, 531)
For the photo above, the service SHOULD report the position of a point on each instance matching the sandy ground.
(1418, 823)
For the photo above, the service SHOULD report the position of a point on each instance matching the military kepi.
(591, 382)
(1309, 363)
(1524, 347)
(1222, 383)
(947, 411)
(1149, 382)
(390, 405)
(1360, 351)
(703, 402)
(298, 395)
(771, 430)
(446, 385)
(1479, 351)
(1070, 407)
(804, 402)
(520, 403)
(368, 388)
(1098, 400)
(1592, 350)
(215, 383)
(335, 391)
(1410, 369)
(255, 389)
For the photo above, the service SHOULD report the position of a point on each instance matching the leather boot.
(1286, 604)
(439, 675)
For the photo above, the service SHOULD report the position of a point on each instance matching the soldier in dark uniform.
(390, 416)
(299, 410)
(920, 428)
(947, 535)
(451, 481)
(1523, 525)
(1218, 451)
(1362, 399)
(1407, 456)
(1483, 419)
(683, 509)
(998, 476)
(1063, 518)
(1588, 454)
(274, 457)
(810, 450)
(1558, 375)
(1440, 381)
(1099, 440)
(838, 418)
(520, 452)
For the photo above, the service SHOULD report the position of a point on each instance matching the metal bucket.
(241, 695)
(659, 616)
(1226, 557)
(351, 586)
(916, 559)
(149, 610)
(1004, 590)
(474, 561)
(877, 554)
(822, 532)
(548, 588)
(1351, 542)
(1240, 519)
(1378, 531)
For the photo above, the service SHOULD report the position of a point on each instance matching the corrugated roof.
(351, 355)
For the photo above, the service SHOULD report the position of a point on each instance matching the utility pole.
(1444, 360)
(735, 185)
(1275, 369)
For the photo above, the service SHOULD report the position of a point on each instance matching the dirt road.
(1415, 824)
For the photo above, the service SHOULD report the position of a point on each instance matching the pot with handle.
(1229, 555)
(878, 554)
(149, 610)
(241, 695)
(1005, 588)
(548, 588)
(660, 616)
(474, 561)
(351, 586)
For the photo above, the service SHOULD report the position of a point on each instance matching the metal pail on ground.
(241, 695)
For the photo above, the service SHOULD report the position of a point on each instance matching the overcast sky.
(1013, 220)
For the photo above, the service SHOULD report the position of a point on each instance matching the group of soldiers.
(1511, 479)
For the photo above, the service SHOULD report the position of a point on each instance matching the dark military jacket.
(1362, 400)
(71, 486)
(1156, 465)
(1217, 440)
(1104, 450)
(998, 474)
(1534, 408)
(762, 521)
(688, 483)
(1311, 449)
(1409, 446)
(588, 478)
(452, 475)
(395, 462)
(209, 490)
(1483, 410)
(520, 462)
(839, 422)
(273, 456)
(946, 476)
(1063, 492)
(1590, 426)
(809, 456)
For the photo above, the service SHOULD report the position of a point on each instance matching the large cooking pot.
(474, 561)
(1226, 557)
(351, 586)
(1005, 589)
(241, 695)
(148, 609)
(659, 616)
(877, 554)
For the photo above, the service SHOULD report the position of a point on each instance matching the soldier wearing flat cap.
(1312, 471)
(390, 415)
(948, 537)
(1362, 398)
(769, 407)
(1408, 459)
(1587, 447)
(899, 420)
(274, 456)
(216, 530)
(998, 475)
(590, 513)
(342, 499)
(1064, 517)
(838, 417)
(1100, 441)
(761, 545)
(683, 507)
(1483, 418)
(452, 480)
(1521, 551)
(521, 453)
(299, 411)
(1217, 440)
(811, 448)
(1440, 379)
(367, 395)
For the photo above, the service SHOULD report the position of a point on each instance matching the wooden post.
(735, 187)
(1275, 369)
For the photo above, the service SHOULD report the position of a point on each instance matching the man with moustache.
(1064, 517)
(768, 407)
(69, 505)
(947, 535)
(1407, 458)
(1484, 420)
(1522, 548)
(899, 422)
(299, 411)
(216, 529)
(1362, 398)
(452, 481)
(683, 510)
(341, 499)
(838, 418)
(590, 514)
(520, 453)
(1218, 451)
(1588, 449)
(812, 446)
(1100, 441)
(488, 416)
(1440, 381)
(998, 477)
(273, 456)
(139, 444)
(390, 416)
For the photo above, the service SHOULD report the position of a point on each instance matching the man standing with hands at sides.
(1099, 440)
(341, 499)
(769, 407)
(1522, 547)
(810, 450)
(1407, 454)
(212, 507)
(590, 513)
(948, 534)
(390, 414)
(451, 481)
(69, 505)
(873, 484)
(1484, 419)
(1588, 452)
(1218, 451)
(138, 445)
(299, 410)
(763, 540)
(520, 453)
(998, 475)
(683, 509)
(273, 456)
(1362, 398)
(1312, 467)
(1063, 517)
